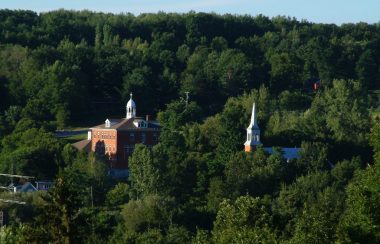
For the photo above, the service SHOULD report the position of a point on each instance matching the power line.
(12, 201)
(6, 187)
(18, 176)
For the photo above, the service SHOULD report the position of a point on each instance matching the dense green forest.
(62, 69)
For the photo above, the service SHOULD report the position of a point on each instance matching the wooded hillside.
(311, 85)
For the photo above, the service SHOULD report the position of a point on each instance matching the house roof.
(26, 187)
(288, 152)
(83, 145)
(127, 124)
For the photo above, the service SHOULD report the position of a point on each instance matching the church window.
(132, 136)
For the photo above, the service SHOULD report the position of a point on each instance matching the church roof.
(288, 152)
(128, 124)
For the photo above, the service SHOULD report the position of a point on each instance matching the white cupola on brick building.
(131, 108)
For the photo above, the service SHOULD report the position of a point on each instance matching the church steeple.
(253, 132)
(131, 108)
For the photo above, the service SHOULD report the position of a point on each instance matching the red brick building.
(116, 138)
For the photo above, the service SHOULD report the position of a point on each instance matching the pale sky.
(321, 11)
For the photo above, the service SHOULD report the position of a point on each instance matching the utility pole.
(187, 98)
(92, 198)
(1, 218)
(12, 174)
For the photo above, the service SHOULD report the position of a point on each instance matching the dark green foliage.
(63, 68)
(245, 220)
(31, 152)
(118, 195)
(149, 212)
(255, 174)
(361, 218)
(318, 219)
(70, 64)
(143, 174)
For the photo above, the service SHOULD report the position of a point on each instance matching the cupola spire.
(131, 108)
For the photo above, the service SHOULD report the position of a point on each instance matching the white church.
(253, 139)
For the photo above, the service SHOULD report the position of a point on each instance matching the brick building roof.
(128, 124)
(83, 145)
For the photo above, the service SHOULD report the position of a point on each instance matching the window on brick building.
(125, 152)
(143, 137)
(154, 137)
(128, 150)
(132, 136)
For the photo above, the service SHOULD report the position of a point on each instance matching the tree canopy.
(313, 84)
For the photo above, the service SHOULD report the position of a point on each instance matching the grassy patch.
(75, 138)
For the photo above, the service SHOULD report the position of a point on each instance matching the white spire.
(253, 130)
(131, 108)
(253, 123)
